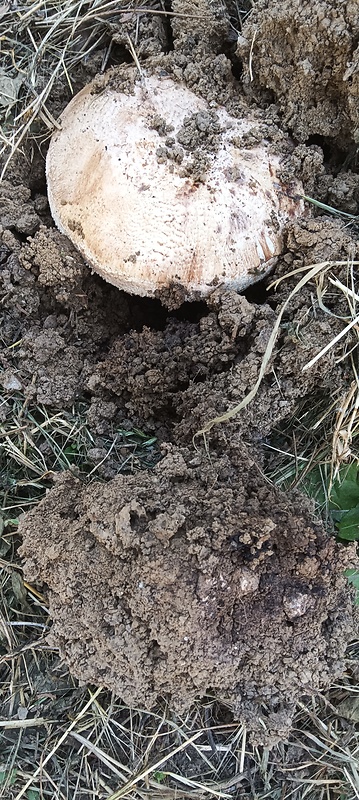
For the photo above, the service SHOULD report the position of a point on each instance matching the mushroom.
(156, 189)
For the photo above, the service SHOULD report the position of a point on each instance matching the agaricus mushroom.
(155, 189)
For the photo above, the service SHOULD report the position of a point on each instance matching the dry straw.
(41, 43)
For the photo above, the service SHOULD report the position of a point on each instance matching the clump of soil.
(305, 56)
(194, 578)
(188, 373)
(340, 192)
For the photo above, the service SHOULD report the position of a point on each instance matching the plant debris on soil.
(210, 602)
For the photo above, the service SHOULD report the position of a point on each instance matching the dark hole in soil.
(37, 183)
(36, 179)
(19, 236)
(267, 99)
(151, 313)
(144, 311)
(229, 50)
(155, 650)
(257, 292)
(118, 55)
(191, 312)
(134, 521)
(334, 156)
(167, 6)
(237, 67)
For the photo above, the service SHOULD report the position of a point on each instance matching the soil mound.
(194, 578)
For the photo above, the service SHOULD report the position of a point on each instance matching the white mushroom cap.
(143, 220)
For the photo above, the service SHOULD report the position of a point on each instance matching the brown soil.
(196, 576)
(305, 55)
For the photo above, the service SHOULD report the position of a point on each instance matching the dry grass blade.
(332, 343)
(326, 430)
(330, 209)
(58, 744)
(24, 723)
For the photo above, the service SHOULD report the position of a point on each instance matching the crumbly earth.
(304, 55)
(196, 576)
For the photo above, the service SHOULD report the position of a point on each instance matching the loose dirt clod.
(305, 55)
(156, 188)
(195, 578)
